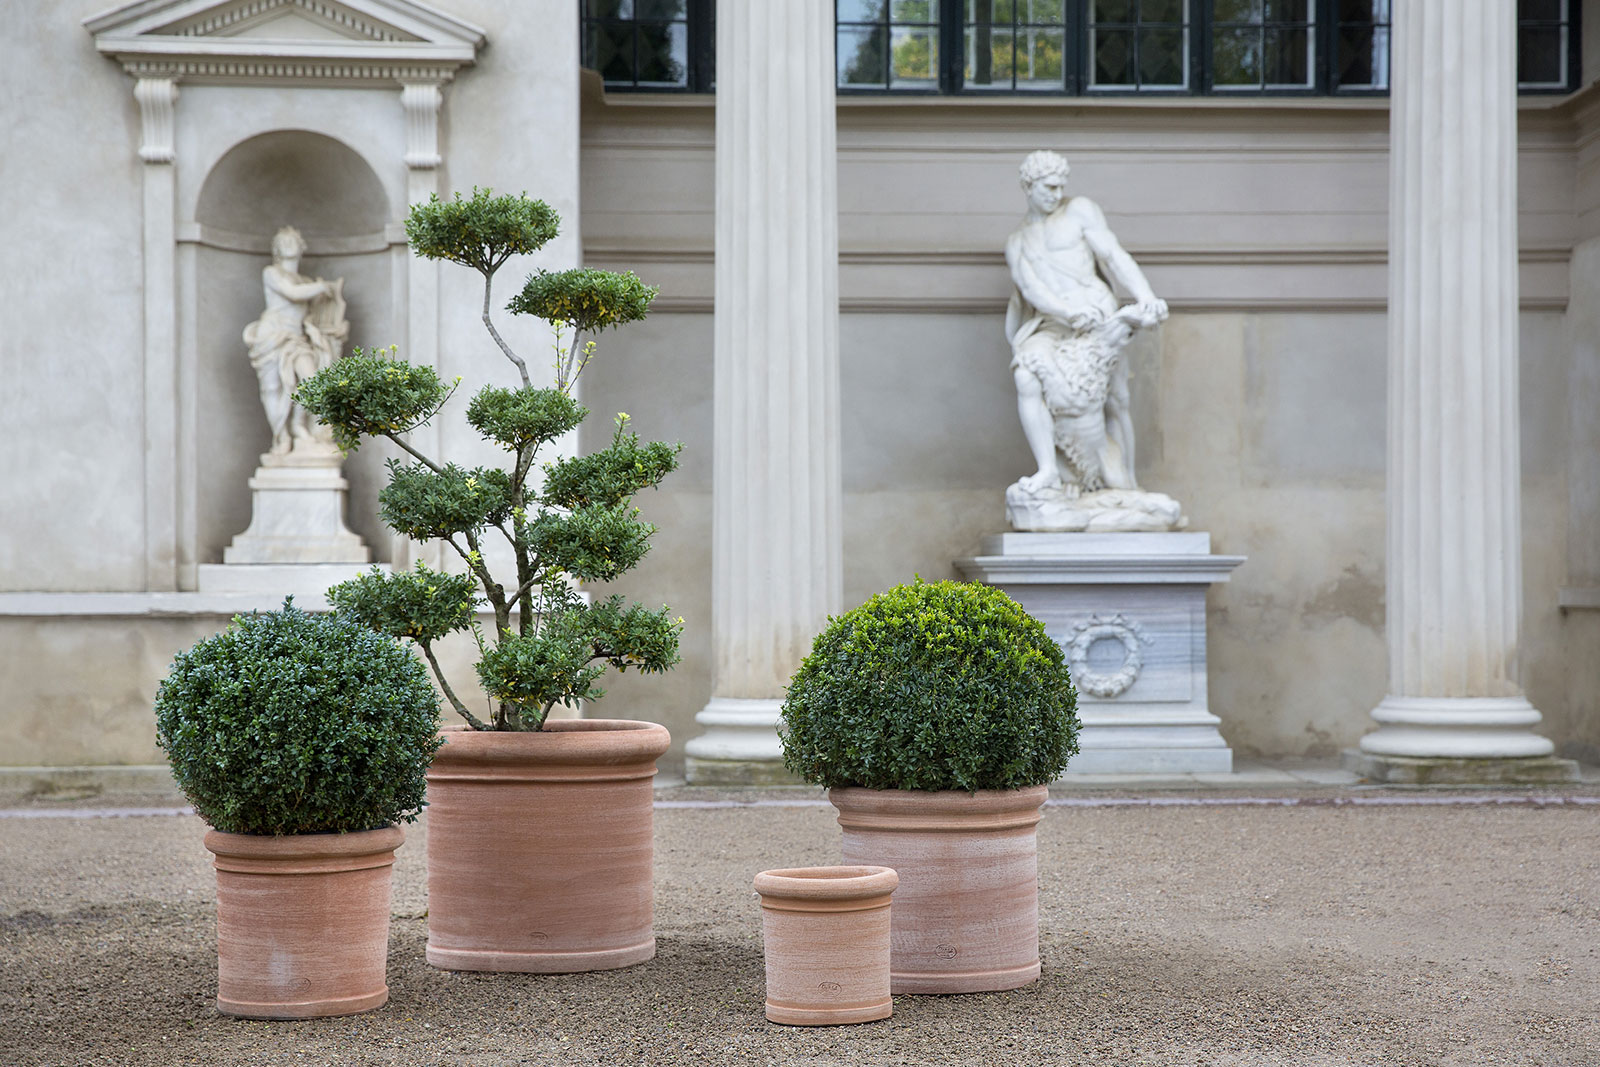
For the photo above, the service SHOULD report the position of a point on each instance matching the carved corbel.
(421, 101)
(156, 96)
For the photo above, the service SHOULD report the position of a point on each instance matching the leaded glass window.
(1263, 44)
(1361, 44)
(1138, 44)
(887, 44)
(638, 43)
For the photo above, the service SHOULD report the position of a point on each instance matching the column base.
(740, 745)
(1414, 770)
(1456, 728)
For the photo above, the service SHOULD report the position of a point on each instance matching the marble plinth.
(1129, 609)
(740, 745)
(297, 514)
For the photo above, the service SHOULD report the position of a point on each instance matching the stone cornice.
(383, 41)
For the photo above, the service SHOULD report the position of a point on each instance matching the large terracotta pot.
(966, 915)
(302, 922)
(540, 847)
(826, 936)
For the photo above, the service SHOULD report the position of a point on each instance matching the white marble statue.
(1067, 335)
(302, 331)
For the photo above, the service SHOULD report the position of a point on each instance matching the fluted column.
(1454, 513)
(776, 571)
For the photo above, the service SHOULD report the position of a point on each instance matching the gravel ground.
(1221, 935)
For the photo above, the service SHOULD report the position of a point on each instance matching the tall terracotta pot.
(302, 922)
(966, 915)
(825, 936)
(540, 847)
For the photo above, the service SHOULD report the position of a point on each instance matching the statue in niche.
(302, 331)
(1067, 335)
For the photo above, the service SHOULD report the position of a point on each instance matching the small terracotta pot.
(966, 915)
(540, 847)
(302, 922)
(826, 934)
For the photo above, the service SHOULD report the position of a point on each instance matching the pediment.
(286, 40)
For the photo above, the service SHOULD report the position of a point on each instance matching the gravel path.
(1172, 935)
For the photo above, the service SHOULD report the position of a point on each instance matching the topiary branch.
(450, 694)
(488, 323)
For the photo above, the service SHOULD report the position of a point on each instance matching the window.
(1071, 47)
(652, 45)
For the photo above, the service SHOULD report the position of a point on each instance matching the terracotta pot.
(302, 922)
(540, 847)
(826, 936)
(966, 915)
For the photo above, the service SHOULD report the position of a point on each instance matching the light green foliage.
(421, 604)
(370, 394)
(481, 232)
(585, 299)
(548, 645)
(518, 418)
(432, 505)
(292, 723)
(932, 686)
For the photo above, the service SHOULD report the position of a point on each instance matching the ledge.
(148, 605)
(1579, 598)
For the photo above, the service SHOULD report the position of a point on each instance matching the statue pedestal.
(297, 540)
(1129, 609)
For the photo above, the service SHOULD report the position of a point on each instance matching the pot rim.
(584, 749)
(845, 882)
(336, 851)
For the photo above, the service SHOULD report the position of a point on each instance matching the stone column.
(1455, 710)
(157, 96)
(776, 570)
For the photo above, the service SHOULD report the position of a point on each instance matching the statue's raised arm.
(1067, 335)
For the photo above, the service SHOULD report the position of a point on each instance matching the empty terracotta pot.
(302, 922)
(966, 915)
(826, 934)
(540, 847)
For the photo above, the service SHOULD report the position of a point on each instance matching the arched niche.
(326, 190)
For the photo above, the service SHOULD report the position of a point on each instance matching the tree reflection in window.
(888, 44)
(1263, 44)
(1014, 45)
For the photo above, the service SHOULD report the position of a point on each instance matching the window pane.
(1113, 57)
(1238, 10)
(1539, 56)
(1541, 9)
(1287, 57)
(912, 11)
(1161, 58)
(1041, 12)
(915, 57)
(860, 10)
(1286, 11)
(615, 9)
(1363, 11)
(1112, 11)
(1161, 11)
(1039, 63)
(608, 48)
(1236, 57)
(1363, 59)
(661, 9)
(988, 57)
(861, 55)
(664, 54)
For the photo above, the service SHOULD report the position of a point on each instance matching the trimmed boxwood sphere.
(932, 686)
(294, 723)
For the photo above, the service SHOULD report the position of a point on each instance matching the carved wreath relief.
(1095, 628)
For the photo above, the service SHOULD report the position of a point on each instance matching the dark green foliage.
(932, 686)
(594, 544)
(426, 504)
(583, 298)
(611, 476)
(548, 646)
(560, 663)
(421, 604)
(518, 418)
(292, 723)
(481, 232)
(368, 395)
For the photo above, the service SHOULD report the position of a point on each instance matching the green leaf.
(517, 418)
(366, 394)
(481, 232)
(426, 504)
(421, 604)
(583, 298)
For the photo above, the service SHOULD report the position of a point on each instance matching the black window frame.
(950, 68)
(700, 61)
